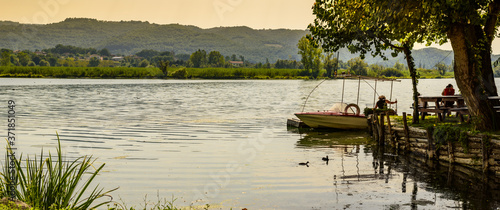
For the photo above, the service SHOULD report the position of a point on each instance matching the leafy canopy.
(370, 25)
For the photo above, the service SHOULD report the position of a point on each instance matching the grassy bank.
(79, 72)
(174, 73)
(140, 73)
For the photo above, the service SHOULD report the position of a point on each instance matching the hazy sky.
(257, 14)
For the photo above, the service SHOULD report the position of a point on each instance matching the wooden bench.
(460, 112)
(441, 111)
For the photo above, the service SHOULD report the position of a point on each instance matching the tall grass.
(54, 183)
(242, 73)
(139, 73)
(80, 72)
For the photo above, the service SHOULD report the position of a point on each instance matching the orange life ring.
(352, 105)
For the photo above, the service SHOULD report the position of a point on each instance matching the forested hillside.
(130, 37)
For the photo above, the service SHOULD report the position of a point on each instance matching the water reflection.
(425, 183)
(179, 137)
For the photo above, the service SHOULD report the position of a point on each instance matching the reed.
(54, 183)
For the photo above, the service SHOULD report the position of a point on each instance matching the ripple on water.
(221, 142)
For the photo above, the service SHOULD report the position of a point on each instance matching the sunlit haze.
(257, 14)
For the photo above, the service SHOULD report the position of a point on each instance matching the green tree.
(94, 62)
(391, 72)
(14, 60)
(470, 26)
(330, 64)
(199, 58)
(5, 59)
(148, 53)
(24, 58)
(68, 62)
(53, 61)
(44, 63)
(375, 70)
(164, 67)
(36, 59)
(370, 25)
(358, 66)
(399, 66)
(441, 68)
(216, 59)
(144, 63)
(311, 56)
(104, 52)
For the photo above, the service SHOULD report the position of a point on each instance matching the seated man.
(382, 102)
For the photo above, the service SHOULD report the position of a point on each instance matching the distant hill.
(130, 37)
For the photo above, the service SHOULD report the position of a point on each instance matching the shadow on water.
(471, 188)
(474, 189)
(329, 138)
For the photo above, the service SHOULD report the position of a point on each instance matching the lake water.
(225, 143)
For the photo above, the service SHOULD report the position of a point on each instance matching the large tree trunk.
(473, 73)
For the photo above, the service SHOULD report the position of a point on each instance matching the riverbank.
(173, 73)
(450, 142)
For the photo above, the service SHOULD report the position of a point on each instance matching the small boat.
(340, 116)
(344, 120)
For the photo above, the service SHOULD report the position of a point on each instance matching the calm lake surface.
(225, 143)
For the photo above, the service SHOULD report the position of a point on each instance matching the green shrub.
(54, 183)
(391, 72)
(180, 74)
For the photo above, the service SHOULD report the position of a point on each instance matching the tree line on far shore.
(327, 65)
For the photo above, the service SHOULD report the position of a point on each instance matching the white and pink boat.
(340, 116)
(346, 120)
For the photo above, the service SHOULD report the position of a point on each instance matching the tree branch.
(492, 20)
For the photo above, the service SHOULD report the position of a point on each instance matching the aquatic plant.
(54, 183)
(447, 132)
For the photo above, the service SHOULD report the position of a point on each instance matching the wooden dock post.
(369, 120)
(451, 153)
(375, 127)
(485, 147)
(381, 131)
(391, 137)
(431, 148)
(407, 133)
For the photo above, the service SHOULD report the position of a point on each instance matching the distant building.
(95, 56)
(117, 58)
(236, 63)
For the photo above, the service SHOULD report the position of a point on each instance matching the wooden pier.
(479, 152)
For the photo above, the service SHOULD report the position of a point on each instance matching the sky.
(256, 14)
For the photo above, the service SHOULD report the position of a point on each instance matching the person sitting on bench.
(448, 91)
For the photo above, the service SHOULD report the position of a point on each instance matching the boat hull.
(333, 120)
